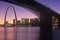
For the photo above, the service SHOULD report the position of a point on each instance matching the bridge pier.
(46, 28)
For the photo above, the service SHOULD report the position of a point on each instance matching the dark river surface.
(24, 33)
(21, 33)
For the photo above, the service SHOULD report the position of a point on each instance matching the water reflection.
(23, 33)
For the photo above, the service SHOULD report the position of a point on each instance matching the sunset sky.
(24, 13)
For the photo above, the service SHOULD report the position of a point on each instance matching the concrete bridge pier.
(46, 28)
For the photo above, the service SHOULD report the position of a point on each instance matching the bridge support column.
(59, 23)
(46, 28)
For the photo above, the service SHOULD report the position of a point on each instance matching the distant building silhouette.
(31, 21)
(14, 21)
(18, 22)
(54, 22)
(6, 22)
(25, 21)
(35, 22)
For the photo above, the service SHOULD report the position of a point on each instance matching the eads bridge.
(44, 13)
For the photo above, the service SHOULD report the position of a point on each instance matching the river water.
(21, 33)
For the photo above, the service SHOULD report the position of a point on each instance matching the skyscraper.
(25, 21)
(35, 22)
(18, 22)
(14, 21)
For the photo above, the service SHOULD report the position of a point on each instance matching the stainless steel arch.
(6, 14)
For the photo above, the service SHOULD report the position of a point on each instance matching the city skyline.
(22, 19)
(22, 22)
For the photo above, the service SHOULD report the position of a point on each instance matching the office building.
(25, 21)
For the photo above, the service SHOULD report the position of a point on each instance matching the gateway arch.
(14, 14)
